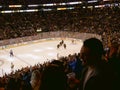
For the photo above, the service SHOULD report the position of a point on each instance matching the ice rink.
(36, 52)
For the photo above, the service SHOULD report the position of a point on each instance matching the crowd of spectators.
(102, 21)
(64, 73)
(55, 71)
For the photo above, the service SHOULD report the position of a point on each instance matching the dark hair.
(95, 45)
(53, 78)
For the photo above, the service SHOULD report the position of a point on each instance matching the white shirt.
(89, 73)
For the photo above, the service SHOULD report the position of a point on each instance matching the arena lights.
(93, 1)
(50, 4)
(99, 6)
(68, 3)
(14, 6)
(17, 11)
(29, 10)
(61, 8)
(47, 9)
(68, 8)
(73, 3)
(106, 0)
(90, 7)
(8, 11)
(0, 6)
(35, 5)
(62, 3)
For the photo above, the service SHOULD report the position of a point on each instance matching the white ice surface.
(32, 54)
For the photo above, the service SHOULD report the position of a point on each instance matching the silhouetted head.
(53, 78)
(91, 51)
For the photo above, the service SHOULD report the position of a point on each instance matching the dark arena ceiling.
(8, 2)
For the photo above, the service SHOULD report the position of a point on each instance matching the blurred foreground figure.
(114, 59)
(53, 77)
(96, 75)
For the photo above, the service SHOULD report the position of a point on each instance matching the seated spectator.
(35, 80)
(11, 84)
